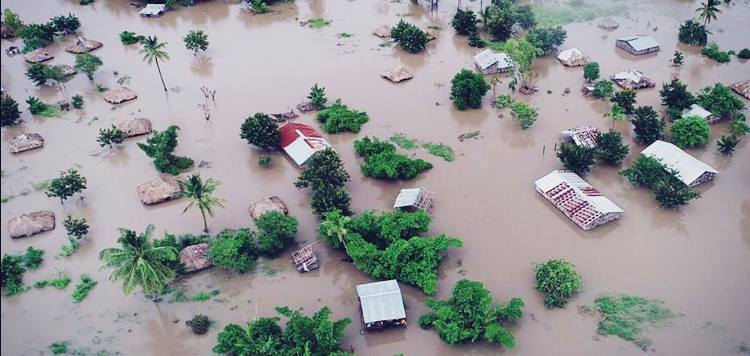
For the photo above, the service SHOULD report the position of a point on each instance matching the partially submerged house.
(699, 111)
(83, 45)
(119, 95)
(305, 259)
(638, 44)
(159, 190)
(489, 62)
(195, 257)
(397, 74)
(381, 304)
(135, 127)
(267, 205)
(572, 58)
(301, 141)
(32, 223)
(584, 136)
(25, 142)
(414, 199)
(742, 88)
(577, 199)
(153, 10)
(689, 169)
(38, 55)
(633, 79)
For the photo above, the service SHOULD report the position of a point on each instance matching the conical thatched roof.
(742, 88)
(135, 127)
(83, 45)
(25, 142)
(31, 224)
(397, 74)
(38, 56)
(119, 95)
(265, 205)
(66, 69)
(382, 31)
(195, 257)
(159, 190)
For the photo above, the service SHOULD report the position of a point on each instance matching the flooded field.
(696, 259)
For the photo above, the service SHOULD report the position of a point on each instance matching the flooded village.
(383, 176)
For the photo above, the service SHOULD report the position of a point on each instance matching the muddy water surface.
(696, 259)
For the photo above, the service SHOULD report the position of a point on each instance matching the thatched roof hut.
(31, 224)
(382, 31)
(195, 257)
(572, 58)
(25, 142)
(397, 74)
(66, 69)
(608, 24)
(159, 190)
(83, 45)
(265, 205)
(633, 79)
(37, 56)
(742, 88)
(119, 95)
(135, 127)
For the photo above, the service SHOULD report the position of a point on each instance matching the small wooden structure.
(266, 205)
(414, 199)
(638, 44)
(742, 88)
(305, 259)
(381, 305)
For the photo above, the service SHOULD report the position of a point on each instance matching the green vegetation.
(591, 71)
(610, 149)
(276, 232)
(199, 324)
(40, 73)
(83, 289)
(317, 96)
(88, 63)
(559, 280)
(629, 316)
(744, 53)
(160, 147)
(59, 347)
(503, 101)
(574, 11)
(40, 108)
(524, 113)
(678, 58)
(201, 296)
(32, 258)
(60, 282)
(469, 316)
(464, 22)
(522, 52)
(441, 150)
(524, 16)
(625, 99)
(411, 38)
(200, 194)
(727, 144)
(576, 158)
(690, 132)
(714, 52)
(546, 39)
(403, 141)
(499, 19)
(304, 335)
(12, 21)
(178, 243)
(720, 100)
(153, 51)
(669, 191)
(68, 184)
(693, 33)
(235, 250)
(261, 131)
(9, 113)
(41, 35)
(129, 38)
(258, 6)
(11, 274)
(76, 229)
(382, 161)
(110, 136)
(345, 35)
(603, 89)
(264, 161)
(339, 118)
(325, 174)
(77, 101)
(467, 89)
(708, 11)
(676, 97)
(616, 113)
(196, 41)
(319, 22)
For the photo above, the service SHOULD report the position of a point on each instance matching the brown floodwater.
(696, 259)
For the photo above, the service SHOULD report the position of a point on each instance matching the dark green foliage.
(678, 58)
(524, 113)
(77, 101)
(325, 174)
(576, 158)
(276, 231)
(380, 229)
(85, 2)
(626, 100)
(261, 131)
(199, 324)
(32, 258)
(110, 136)
(382, 161)
(672, 193)
(40, 73)
(88, 63)
(676, 97)
(559, 280)
(645, 171)
(66, 25)
(727, 144)
(610, 149)
(84, 288)
(546, 39)
(720, 100)
(36, 35)
(627, 317)
(744, 53)
(160, 147)
(69, 183)
(264, 161)
(258, 6)
(693, 33)
(129, 38)
(500, 19)
(36, 106)
(304, 335)
(196, 41)
(714, 52)
(59, 347)
(11, 274)
(9, 113)
(464, 22)
(475, 40)
(339, 118)
(669, 191)
(234, 249)
(411, 38)
(467, 89)
(603, 89)
(76, 227)
(524, 16)
(328, 198)
(690, 132)
(12, 21)
(469, 316)
(317, 96)
(591, 71)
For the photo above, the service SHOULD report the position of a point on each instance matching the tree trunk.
(205, 224)
(160, 75)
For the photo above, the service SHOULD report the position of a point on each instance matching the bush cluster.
(382, 161)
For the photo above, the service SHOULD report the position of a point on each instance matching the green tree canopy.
(234, 249)
(110, 136)
(68, 184)
(382, 161)
(693, 33)
(200, 193)
(88, 63)
(340, 118)
(559, 280)
(720, 100)
(591, 71)
(690, 132)
(160, 147)
(576, 158)
(546, 39)
(610, 149)
(317, 96)
(196, 41)
(626, 100)
(261, 131)
(9, 113)
(464, 22)
(647, 125)
(276, 231)
(467, 89)
(409, 37)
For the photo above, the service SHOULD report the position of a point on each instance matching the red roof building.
(301, 141)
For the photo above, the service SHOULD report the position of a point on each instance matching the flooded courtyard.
(696, 259)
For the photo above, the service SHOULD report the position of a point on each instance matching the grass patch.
(61, 282)
(319, 22)
(404, 141)
(42, 185)
(574, 11)
(345, 35)
(628, 316)
(82, 289)
(440, 150)
(201, 296)
(714, 52)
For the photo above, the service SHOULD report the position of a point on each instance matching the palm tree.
(139, 263)
(708, 10)
(200, 193)
(335, 224)
(616, 113)
(153, 51)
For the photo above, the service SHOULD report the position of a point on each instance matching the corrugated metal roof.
(487, 58)
(696, 110)
(640, 42)
(630, 74)
(301, 141)
(407, 197)
(153, 9)
(582, 189)
(688, 168)
(381, 301)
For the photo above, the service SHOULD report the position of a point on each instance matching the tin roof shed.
(381, 301)
(690, 170)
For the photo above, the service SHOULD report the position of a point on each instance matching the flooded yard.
(696, 259)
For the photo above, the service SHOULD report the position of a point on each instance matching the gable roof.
(688, 168)
(301, 141)
(381, 301)
(487, 58)
(630, 75)
(407, 197)
(293, 130)
(696, 110)
(640, 42)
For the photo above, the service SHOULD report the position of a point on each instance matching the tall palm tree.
(335, 224)
(139, 263)
(616, 113)
(153, 51)
(200, 193)
(708, 10)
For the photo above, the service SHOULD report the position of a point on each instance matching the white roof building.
(584, 136)
(301, 141)
(699, 111)
(153, 10)
(489, 62)
(638, 44)
(414, 198)
(690, 170)
(381, 302)
(572, 57)
(577, 199)
(632, 79)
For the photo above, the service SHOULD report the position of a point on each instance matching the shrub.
(693, 33)
(603, 89)
(648, 127)
(676, 97)
(690, 132)
(382, 161)
(441, 150)
(68, 184)
(525, 114)
(264, 161)
(38, 107)
(503, 101)
(744, 53)
(727, 144)
(11, 274)
(546, 39)
(261, 131)
(66, 25)
(88, 63)
(9, 113)
(36, 36)
(234, 249)
(627, 316)
(576, 158)
(110, 136)
(12, 21)
(464, 22)
(610, 149)
(77, 101)
(160, 147)
(645, 171)
(591, 71)
(339, 118)
(672, 193)
(129, 38)
(196, 41)
(714, 52)
(626, 100)
(720, 100)
(40, 73)
(559, 280)
(276, 231)
(500, 20)
(83, 289)
(199, 324)
(59, 347)
(467, 89)
(318, 22)
(475, 40)
(317, 96)
(76, 227)
(411, 38)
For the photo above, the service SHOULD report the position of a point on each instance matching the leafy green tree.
(317, 96)
(234, 249)
(720, 100)
(603, 89)
(672, 193)
(276, 231)
(690, 132)
(524, 113)
(325, 174)
(645, 171)
(153, 51)
(676, 97)
(524, 16)
(196, 41)
(467, 89)
(625, 99)
(546, 38)
(475, 40)
(200, 193)
(469, 316)
(40, 73)
(12, 21)
(464, 22)
(88, 63)
(591, 71)
(616, 113)
(411, 38)
(693, 33)
(576, 158)
(76, 227)
(559, 280)
(708, 11)
(110, 136)
(160, 147)
(138, 263)
(36, 106)
(68, 184)
(328, 198)
(340, 118)
(333, 228)
(77, 101)
(522, 53)
(500, 19)
(36, 36)
(9, 113)
(261, 131)
(382, 161)
(129, 38)
(647, 125)
(610, 149)
(727, 144)
(67, 25)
